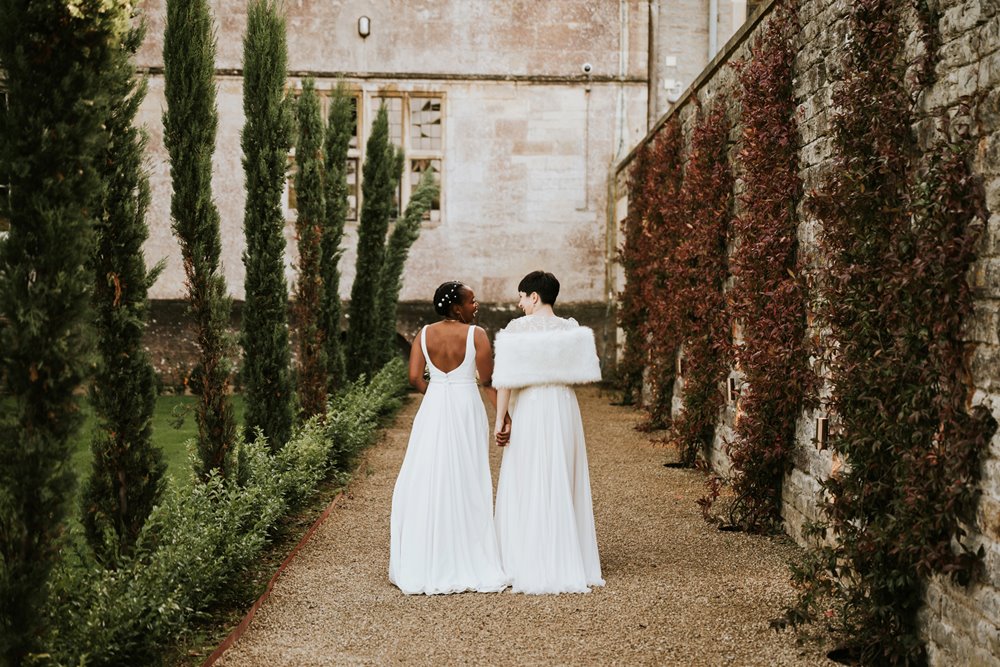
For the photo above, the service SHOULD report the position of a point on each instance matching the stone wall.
(962, 625)
(527, 135)
(527, 138)
(171, 343)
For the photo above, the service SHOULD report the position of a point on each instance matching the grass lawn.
(172, 440)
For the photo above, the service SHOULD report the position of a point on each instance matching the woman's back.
(442, 538)
(446, 344)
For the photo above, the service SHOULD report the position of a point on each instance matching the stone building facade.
(522, 109)
(961, 625)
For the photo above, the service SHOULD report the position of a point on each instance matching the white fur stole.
(558, 356)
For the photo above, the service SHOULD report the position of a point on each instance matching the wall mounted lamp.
(364, 26)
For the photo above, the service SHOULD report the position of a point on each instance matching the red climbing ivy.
(701, 269)
(634, 256)
(768, 296)
(653, 231)
(675, 259)
(898, 235)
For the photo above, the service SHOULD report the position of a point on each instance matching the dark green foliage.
(127, 475)
(339, 130)
(403, 235)
(54, 63)
(312, 378)
(190, 122)
(380, 176)
(266, 138)
(199, 543)
(899, 231)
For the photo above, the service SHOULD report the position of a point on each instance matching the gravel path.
(678, 592)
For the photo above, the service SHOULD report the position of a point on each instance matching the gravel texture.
(678, 591)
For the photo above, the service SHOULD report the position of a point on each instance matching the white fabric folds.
(554, 356)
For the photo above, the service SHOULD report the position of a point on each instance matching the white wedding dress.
(544, 512)
(442, 538)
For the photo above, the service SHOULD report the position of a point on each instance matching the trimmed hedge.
(202, 538)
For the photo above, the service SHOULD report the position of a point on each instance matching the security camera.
(586, 68)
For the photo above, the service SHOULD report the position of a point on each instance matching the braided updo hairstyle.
(446, 296)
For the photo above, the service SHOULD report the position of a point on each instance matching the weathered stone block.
(992, 187)
(990, 480)
(989, 71)
(987, 277)
(960, 18)
(986, 38)
(944, 636)
(983, 324)
(984, 363)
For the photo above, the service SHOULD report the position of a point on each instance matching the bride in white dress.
(544, 513)
(442, 538)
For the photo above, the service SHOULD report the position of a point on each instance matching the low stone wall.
(170, 339)
(962, 625)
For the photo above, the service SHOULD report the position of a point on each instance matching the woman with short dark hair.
(544, 514)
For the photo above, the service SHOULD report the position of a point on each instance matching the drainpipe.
(713, 28)
(652, 66)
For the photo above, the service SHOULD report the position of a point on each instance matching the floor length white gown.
(442, 533)
(544, 511)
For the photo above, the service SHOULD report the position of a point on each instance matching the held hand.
(502, 431)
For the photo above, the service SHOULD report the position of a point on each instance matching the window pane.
(417, 169)
(352, 188)
(425, 123)
(354, 136)
(394, 105)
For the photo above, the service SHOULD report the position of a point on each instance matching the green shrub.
(202, 538)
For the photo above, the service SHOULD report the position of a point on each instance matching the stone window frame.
(288, 198)
(413, 156)
(367, 102)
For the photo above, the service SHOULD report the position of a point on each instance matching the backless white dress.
(442, 533)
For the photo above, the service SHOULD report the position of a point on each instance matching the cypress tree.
(340, 127)
(266, 138)
(127, 475)
(190, 122)
(404, 234)
(312, 375)
(54, 57)
(380, 175)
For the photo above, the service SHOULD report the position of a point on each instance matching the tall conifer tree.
(381, 174)
(126, 478)
(312, 370)
(190, 123)
(266, 138)
(339, 130)
(54, 57)
(403, 235)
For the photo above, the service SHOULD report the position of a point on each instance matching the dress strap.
(470, 345)
(423, 345)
